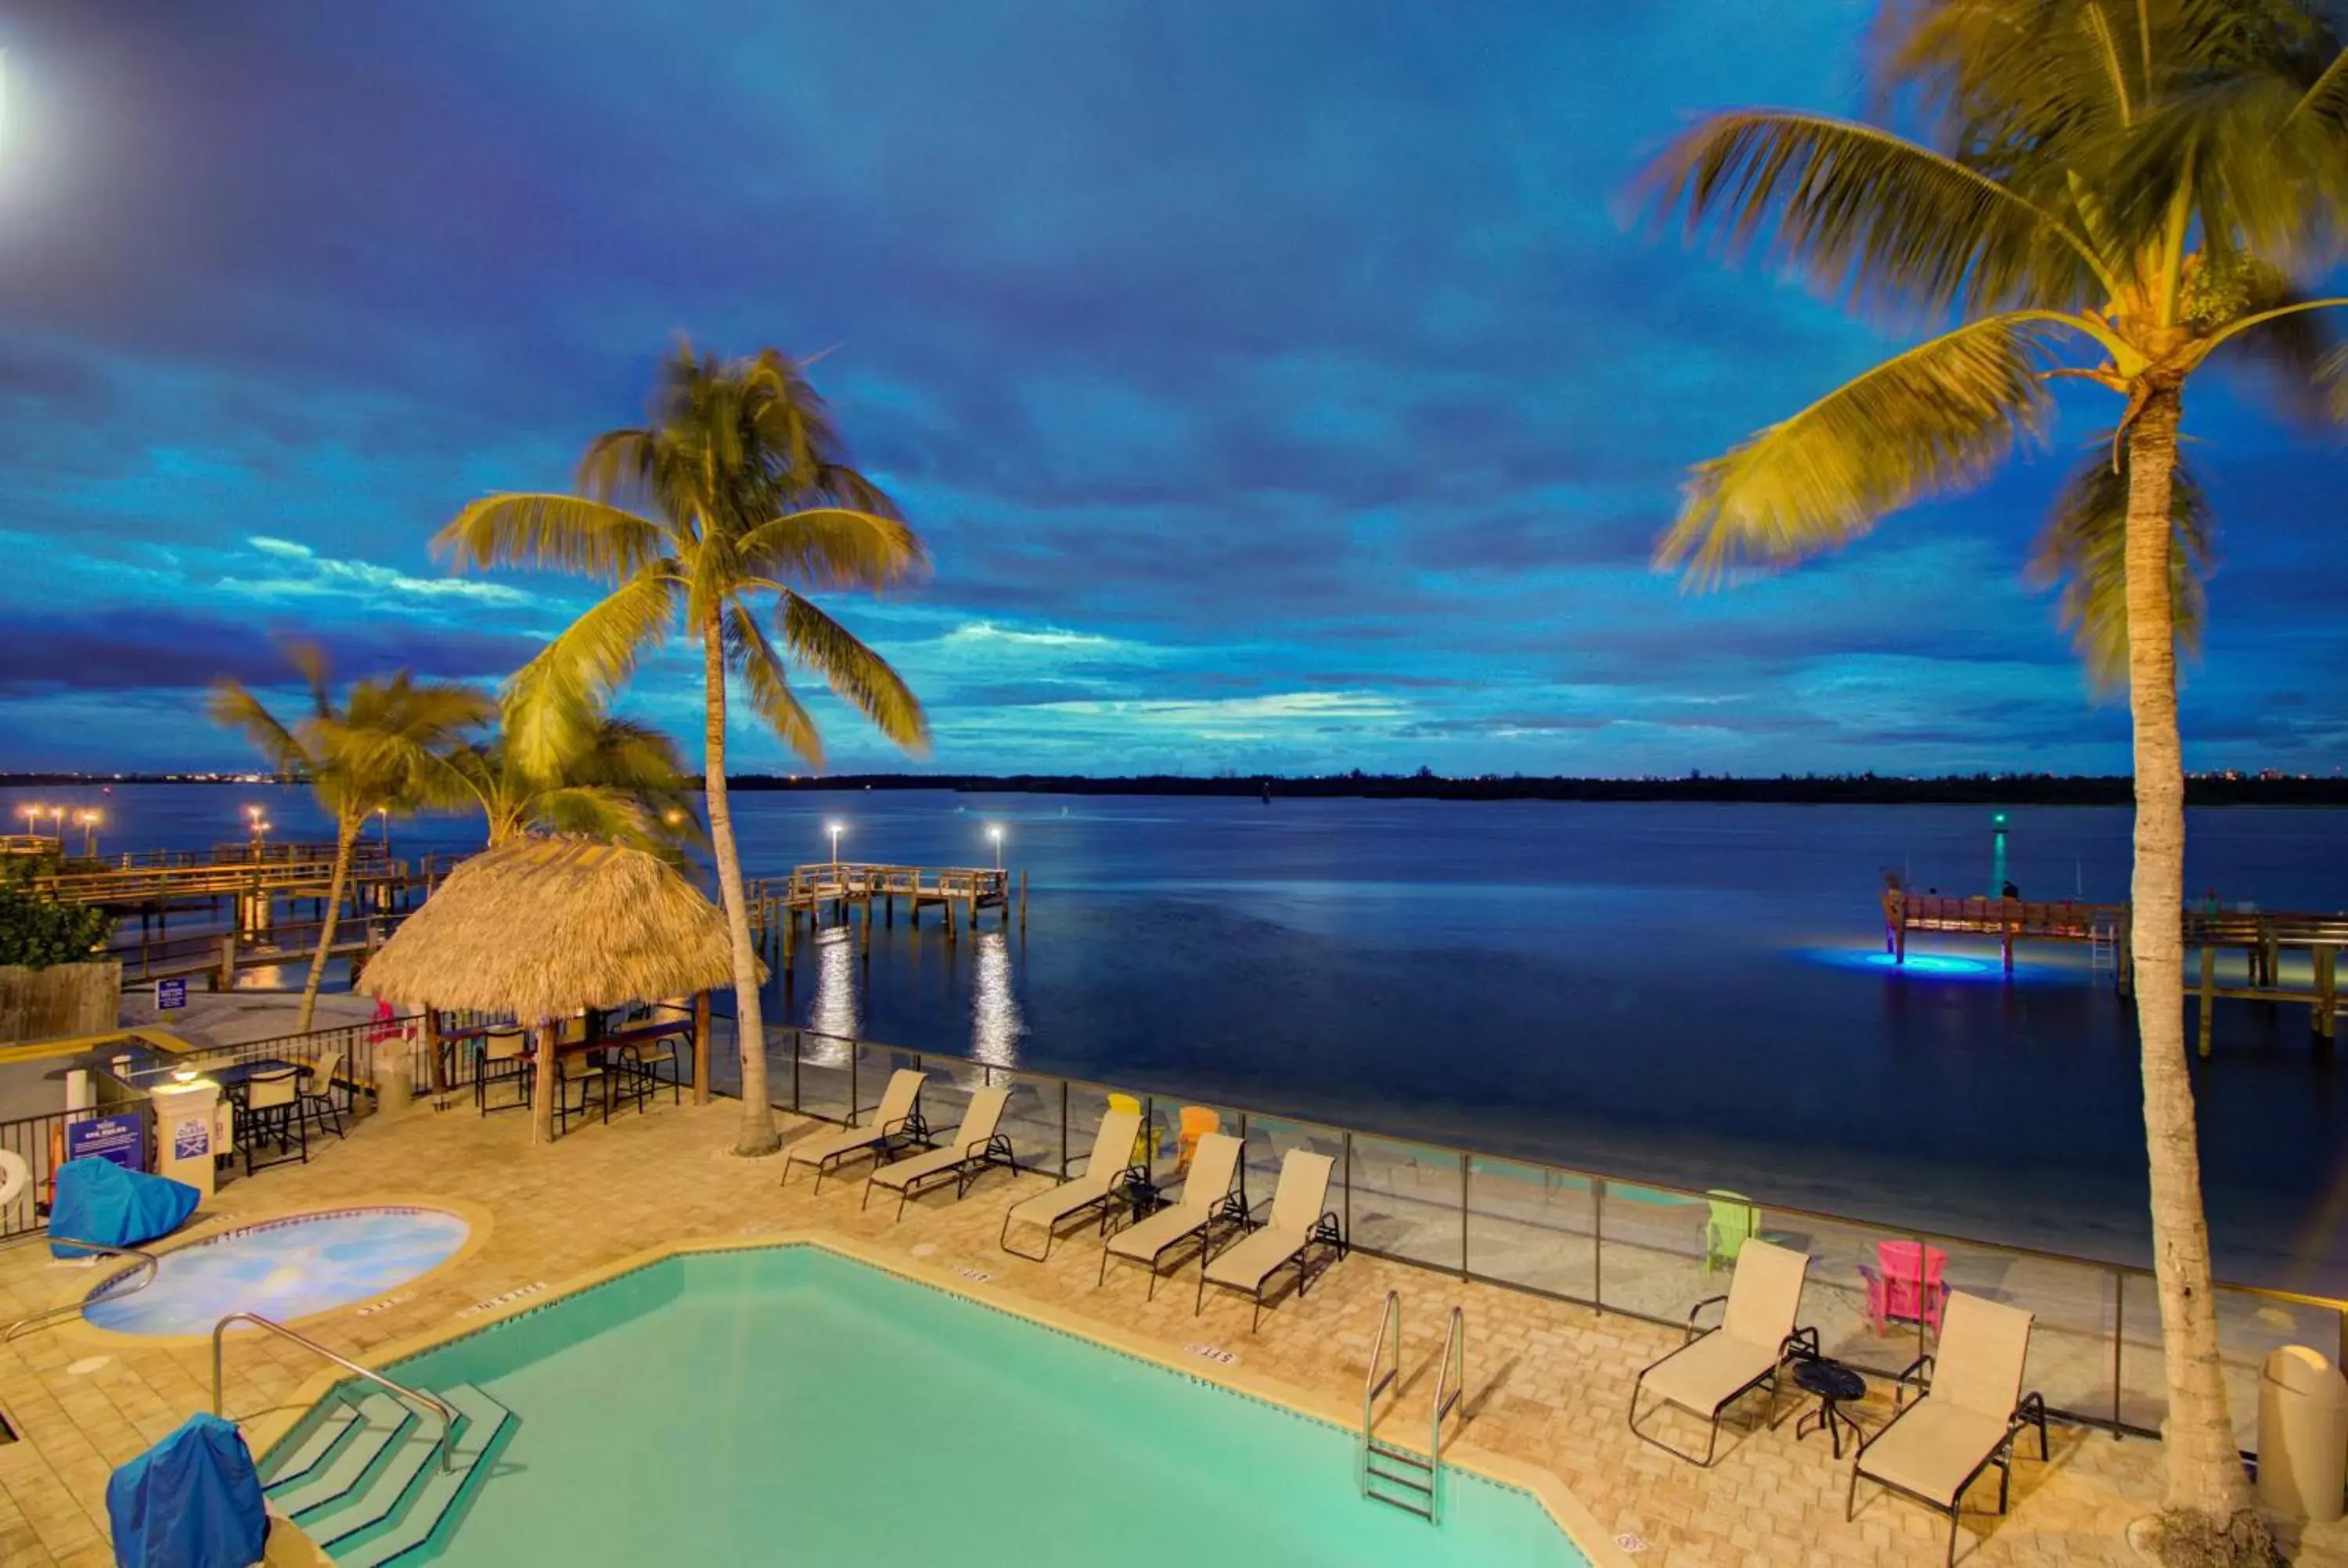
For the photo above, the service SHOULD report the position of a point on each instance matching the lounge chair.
(1093, 1192)
(897, 1120)
(1298, 1223)
(1935, 1449)
(1208, 1200)
(972, 1147)
(1717, 1367)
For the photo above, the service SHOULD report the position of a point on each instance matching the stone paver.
(1547, 1382)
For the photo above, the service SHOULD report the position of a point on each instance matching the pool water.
(787, 1404)
(284, 1270)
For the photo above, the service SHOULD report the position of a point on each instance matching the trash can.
(2303, 1435)
(393, 1087)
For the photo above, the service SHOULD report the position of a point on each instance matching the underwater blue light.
(1923, 966)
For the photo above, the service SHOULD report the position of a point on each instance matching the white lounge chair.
(1206, 1202)
(1299, 1222)
(1094, 1191)
(1717, 1367)
(898, 1120)
(960, 1156)
(1935, 1449)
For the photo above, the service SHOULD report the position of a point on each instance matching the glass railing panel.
(823, 1077)
(1269, 1140)
(1031, 1117)
(875, 1064)
(2144, 1385)
(1406, 1200)
(1532, 1226)
(2251, 1326)
(2074, 1316)
(1088, 1104)
(1650, 1253)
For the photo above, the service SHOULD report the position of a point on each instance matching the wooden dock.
(852, 891)
(2260, 937)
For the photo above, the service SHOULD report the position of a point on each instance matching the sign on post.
(121, 1139)
(170, 994)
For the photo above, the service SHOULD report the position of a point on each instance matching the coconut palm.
(738, 493)
(2120, 193)
(383, 750)
(624, 784)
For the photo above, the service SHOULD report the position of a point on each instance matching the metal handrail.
(1389, 1320)
(146, 1260)
(1455, 1360)
(446, 1412)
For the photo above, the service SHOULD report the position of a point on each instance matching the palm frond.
(2295, 356)
(864, 679)
(231, 705)
(769, 687)
(2082, 551)
(833, 547)
(1931, 421)
(572, 534)
(554, 700)
(1866, 216)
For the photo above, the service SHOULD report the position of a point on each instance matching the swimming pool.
(780, 1401)
(284, 1269)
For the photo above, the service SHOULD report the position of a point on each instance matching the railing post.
(852, 1095)
(1064, 1128)
(796, 1052)
(1349, 1186)
(1466, 1165)
(2119, 1338)
(1598, 1242)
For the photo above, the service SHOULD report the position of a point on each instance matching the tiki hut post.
(542, 1115)
(701, 1048)
(432, 1051)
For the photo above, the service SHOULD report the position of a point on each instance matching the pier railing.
(1620, 1244)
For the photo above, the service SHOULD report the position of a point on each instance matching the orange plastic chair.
(1198, 1121)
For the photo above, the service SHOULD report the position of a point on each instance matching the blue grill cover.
(192, 1500)
(99, 1201)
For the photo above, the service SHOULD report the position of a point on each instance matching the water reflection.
(836, 1013)
(996, 1021)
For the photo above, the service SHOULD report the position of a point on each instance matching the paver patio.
(1548, 1381)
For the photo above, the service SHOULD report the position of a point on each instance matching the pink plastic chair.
(1905, 1285)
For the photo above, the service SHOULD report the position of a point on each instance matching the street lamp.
(995, 832)
(835, 829)
(90, 821)
(383, 817)
(253, 826)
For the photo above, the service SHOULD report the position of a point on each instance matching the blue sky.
(1278, 387)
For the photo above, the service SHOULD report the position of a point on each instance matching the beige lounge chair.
(1095, 1190)
(1207, 1201)
(1717, 1367)
(898, 1120)
(961, 1155)
(1935, 1449)
(1298, 1223)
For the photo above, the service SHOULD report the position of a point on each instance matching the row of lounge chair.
(1211, 1207)
(1969, 1410)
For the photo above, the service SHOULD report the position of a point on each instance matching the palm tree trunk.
(758, 1135)
(346, 835)
(2205, 1473)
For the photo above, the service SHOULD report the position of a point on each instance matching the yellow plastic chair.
(1144, 1141)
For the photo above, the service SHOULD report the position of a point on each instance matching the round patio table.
(1833, 1383)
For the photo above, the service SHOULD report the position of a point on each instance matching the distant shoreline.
(1863, 789)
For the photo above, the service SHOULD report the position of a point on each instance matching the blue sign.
(170, 994)
(191, 1138)
(121, 1139)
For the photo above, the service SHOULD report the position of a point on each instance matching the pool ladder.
(145, 1263)
(1390, 1473)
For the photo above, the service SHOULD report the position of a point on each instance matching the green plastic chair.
(1733, 1222)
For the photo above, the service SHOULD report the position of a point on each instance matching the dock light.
(672, 816)
(835, 829)
(90, 821)
(995, 832)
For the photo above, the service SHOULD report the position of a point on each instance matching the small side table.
(1833, 1383)
(1141, 1195)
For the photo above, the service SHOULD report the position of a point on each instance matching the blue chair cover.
(99, 1201)
(192, 1500)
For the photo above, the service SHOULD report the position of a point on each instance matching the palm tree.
(737, 492)
(2112, 192)
(382, 751)
(625, 784)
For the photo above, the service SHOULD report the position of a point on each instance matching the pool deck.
(1547, 1382)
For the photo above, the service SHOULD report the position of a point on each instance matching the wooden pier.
(855, 890)
(2261, 938)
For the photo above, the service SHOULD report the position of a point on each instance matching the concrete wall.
(61, 1001)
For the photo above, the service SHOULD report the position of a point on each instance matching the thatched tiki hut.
(543, 927)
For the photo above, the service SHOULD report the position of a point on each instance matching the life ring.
(15, 1177)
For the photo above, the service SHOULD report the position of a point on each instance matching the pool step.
(367, 1483)
(1399, 1478)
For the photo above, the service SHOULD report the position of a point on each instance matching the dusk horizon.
(1278, 399)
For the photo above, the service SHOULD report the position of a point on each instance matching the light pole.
(32, 819)
(253, 826)
(995, 832)
(90, 821)
(382, 818)
(835, 829)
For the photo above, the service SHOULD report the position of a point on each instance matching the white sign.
(191, 1137)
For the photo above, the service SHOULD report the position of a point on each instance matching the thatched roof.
(543, 928)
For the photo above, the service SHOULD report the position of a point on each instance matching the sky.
(1278, 388)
